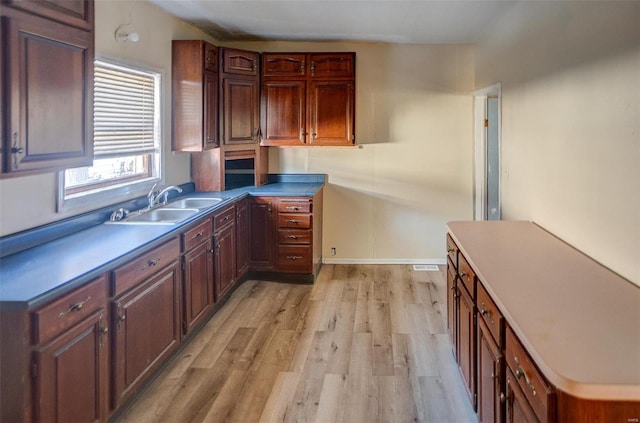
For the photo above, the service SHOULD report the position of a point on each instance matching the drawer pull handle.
(293, 236)
(485, 312)
(294, 257)
(198, 235)
(292, 208)
(521, 373)
(151, 263)
(74, 308)
(226, 218)
(449, 250)
(292, 221)
(463, 274)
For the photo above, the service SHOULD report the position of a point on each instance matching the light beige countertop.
(579, 321)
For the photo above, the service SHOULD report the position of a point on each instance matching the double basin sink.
(169, 214)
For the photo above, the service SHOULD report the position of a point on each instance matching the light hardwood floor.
(363, 344)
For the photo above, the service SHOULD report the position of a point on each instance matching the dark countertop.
(34, 276)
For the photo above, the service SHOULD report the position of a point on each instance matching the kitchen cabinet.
(224, 242)
(466, 341)
(452, 305)
(70, 364)
(490, 372)
(308, 99)
(295, 235)
(517, 408)
(47, 86)
(146, 314)
(198, 280)
(242, 238)
(195, 96)
(240, 96)
(262, 240)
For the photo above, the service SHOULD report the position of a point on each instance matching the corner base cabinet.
(525, 336)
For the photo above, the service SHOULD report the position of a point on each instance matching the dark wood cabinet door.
(518, 409)
(283, 113)
(490, 372)
(262, 244)
(210, 113)
(240, 110)
(331, 113)
(242, 238)
(147, 330)
(78, 13)
(452, 304)
(240, 62)
(225, 259)
(284, 65)
(198, 284)
(466, 352)
(49, 120)
(332, 65)
(72, 374)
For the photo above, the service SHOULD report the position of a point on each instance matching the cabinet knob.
(503, 398)
(449, 250)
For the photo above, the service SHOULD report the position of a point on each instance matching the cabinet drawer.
(296, 259)
(54, 318)
(196, 235)
(294, 236)
(332, 65)
(143, 267)
(489, 312)
(240, 62)
(294, 206)
(452, 251)
(283, 64)
(290, 220)
(467, 276)
(538, 394)
(222, 219)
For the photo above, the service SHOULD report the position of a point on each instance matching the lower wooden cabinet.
(198, 292)
(490, 371)
(225, 259)
(517, 407)
(147, 329)
(242, 238)
(72, 374)
(466, 341)
(452, 305)
(262, 239)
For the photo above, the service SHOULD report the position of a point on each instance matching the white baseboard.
(383, 261)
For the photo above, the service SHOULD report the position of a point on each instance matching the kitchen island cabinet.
(535, 301)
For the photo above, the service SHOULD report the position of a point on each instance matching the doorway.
(487, 153)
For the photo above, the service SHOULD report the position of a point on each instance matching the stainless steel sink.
(161, 216)
(195, 203)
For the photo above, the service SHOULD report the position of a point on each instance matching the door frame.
(480, 148)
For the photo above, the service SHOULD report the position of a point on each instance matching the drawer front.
(196, 235)
(467, 276)
(143, 267)
(222, 219)
(489, 312)
(294, 236)
(290, 220)
(539, 395)
(452, 251)
(294, 259)
(294, 206)
(63, 313)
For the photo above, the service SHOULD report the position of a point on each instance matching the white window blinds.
(125, 111)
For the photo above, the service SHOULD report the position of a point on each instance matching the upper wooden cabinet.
(240, 96)
(47, 88)
(194, 95)
(308, 99)
(78, 13)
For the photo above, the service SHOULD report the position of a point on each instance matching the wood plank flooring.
(365, 343)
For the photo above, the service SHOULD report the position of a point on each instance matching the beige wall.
(571, 128)
(390, 199)
(30, 201)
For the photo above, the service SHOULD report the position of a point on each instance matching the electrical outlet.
(333, 251)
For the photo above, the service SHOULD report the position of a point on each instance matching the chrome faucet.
(154, 197)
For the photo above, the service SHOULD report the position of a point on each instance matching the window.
(126, 136)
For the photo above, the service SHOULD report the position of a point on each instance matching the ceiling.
(397, 21)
